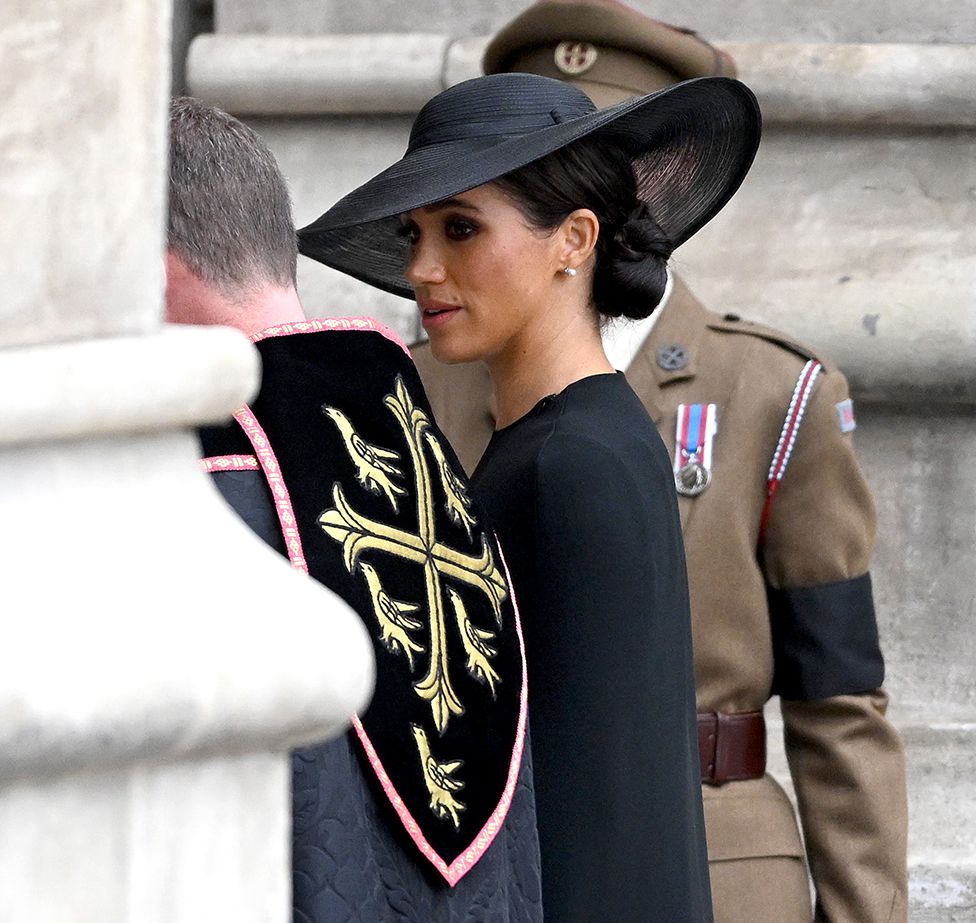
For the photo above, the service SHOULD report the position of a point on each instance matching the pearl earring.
(569, 270)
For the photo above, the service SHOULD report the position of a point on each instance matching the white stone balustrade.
(158, 662)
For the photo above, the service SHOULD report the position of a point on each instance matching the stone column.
(158, 661)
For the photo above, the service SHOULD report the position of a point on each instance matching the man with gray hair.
(231, 246)
(402, 820)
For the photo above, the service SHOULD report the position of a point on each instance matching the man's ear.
(186, 294)
(578, 235)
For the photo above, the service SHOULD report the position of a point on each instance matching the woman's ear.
(578, 233)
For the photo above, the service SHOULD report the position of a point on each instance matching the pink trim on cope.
(317, 325)
(229, 463)
(486, 836)
(272, 472)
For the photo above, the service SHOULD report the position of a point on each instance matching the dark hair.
(631, 250)
(229, 211)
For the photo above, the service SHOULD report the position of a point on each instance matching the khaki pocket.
(768, 889)
(750, 819)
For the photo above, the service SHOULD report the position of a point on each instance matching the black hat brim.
(690, 144)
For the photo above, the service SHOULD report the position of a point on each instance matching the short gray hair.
(230, 215)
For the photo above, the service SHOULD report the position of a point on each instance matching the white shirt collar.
(623, 338)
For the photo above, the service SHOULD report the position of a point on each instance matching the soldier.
(778, 526)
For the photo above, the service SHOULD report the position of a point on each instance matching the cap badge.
(697, 425)
(575, 58)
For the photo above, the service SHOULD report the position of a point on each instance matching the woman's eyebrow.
(451, 203)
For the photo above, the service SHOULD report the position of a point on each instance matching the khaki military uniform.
(793, 617)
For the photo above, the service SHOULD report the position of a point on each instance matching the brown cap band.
(606, 75)
(619, 34)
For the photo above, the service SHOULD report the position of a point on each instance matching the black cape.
(582, 495)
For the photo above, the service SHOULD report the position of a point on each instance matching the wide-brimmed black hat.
(691, 145)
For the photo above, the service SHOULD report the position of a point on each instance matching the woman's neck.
(542, 363)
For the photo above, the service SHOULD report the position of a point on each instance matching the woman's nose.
(424, 266)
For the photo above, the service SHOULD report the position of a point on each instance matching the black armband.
(825, 640)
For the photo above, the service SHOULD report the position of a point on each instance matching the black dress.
(581, 493)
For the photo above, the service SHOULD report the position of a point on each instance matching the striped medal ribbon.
(697, 425)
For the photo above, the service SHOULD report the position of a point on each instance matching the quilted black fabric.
(351, 861)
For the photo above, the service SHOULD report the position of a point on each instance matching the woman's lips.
(436, 313)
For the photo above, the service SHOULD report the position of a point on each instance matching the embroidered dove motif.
(456, 499)
(440, 781)
(393, 616)
(374, 465)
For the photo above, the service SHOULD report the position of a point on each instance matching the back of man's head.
(230, 218)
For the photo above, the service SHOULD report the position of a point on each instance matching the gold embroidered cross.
(359, 535)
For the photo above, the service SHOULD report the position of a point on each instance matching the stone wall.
(733, 20)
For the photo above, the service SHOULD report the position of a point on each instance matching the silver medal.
(692, 478)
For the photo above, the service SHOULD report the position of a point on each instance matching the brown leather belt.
(732, 746)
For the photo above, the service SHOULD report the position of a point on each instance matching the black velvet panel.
(328, 406)
(223, 439)
(825, 640)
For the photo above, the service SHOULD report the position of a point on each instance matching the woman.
(519, 219)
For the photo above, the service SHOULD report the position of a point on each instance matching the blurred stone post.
(157, 661)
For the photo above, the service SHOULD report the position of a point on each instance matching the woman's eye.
(410, 232)
(460, 228)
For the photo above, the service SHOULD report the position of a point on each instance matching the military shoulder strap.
(733, 323)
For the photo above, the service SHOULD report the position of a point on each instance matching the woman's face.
(485, 280)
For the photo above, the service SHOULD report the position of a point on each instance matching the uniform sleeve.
(612, 696)
(846, 759)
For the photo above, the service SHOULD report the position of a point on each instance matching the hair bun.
(641, 236)
(631, 278)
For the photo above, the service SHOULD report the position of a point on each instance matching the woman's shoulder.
(609, 489)
(551, 458)
(574, 460)
(601, 420)
(601, 402)
(594, 426)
